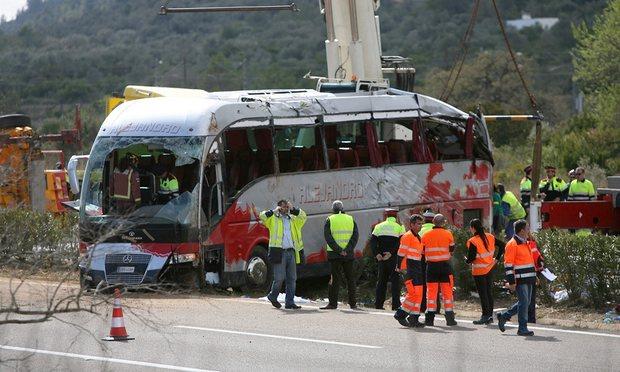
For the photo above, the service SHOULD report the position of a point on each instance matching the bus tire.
(258, 272)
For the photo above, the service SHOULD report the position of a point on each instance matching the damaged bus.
(234, 154)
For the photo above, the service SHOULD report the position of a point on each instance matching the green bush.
(587, 266)
(36, 240)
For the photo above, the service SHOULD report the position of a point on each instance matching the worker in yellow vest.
(511, 208)
(581, 188)
(285, 249)
(341, 235)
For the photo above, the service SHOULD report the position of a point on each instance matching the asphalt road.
(193, 332)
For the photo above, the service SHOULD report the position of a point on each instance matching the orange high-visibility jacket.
(437, 244)
(518, 262)
(484, 262)
(411, 250)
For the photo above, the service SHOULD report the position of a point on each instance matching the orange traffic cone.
(118, 331)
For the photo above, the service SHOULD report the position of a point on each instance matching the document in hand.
(548, 275)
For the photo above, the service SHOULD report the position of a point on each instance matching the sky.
(9, 8)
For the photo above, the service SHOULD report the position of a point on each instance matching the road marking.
(441, 319)
(103, 359)
(280, 337)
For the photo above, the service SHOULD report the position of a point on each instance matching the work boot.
(400, 315)
(414, 321)
(450, 318)
(488, 319)
(429, 319)
(482, 320)
(501, 322)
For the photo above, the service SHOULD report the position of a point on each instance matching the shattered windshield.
(152, 178)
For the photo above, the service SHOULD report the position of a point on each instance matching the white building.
(527, 21)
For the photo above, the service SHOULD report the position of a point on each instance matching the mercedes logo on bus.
(127, 258)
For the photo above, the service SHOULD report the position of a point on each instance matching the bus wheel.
(258, 271)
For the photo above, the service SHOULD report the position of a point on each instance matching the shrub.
(31, 239)
(587, 266)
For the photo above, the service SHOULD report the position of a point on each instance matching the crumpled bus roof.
(211, 113)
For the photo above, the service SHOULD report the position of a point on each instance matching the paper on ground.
(548, 274)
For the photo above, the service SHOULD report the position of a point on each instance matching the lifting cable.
(514, 60)
(461, 56)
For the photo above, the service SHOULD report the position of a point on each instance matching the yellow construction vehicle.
(25, 179)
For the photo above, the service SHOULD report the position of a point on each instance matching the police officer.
(552, 187)
(341, 235)
(526, 188)
(428, 221)
(384, 241)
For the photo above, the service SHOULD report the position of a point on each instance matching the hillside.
(61, 52)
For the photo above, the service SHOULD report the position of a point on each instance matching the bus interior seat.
(296, 164)
(398, 151)
(146, 163)
(310, 159)
(331, 136)
(284, 161)
(385, 153)
(348, 157)
(264, 152)
(334, 158)
(363, 155)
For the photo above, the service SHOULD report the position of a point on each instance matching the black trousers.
(484, 284)
(531, 311)
(337, 267)
(387, 272)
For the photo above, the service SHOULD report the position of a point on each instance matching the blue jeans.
(509, 229)
(284, 271)
(524, 295)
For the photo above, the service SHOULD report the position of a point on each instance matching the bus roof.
(211, 113)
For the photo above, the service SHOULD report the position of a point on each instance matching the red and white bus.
(237, 153)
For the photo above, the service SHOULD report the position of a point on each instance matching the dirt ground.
(556, 314)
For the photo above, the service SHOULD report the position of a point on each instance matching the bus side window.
(298, 149)
(347, 145)
(396, 142)
(448, 140)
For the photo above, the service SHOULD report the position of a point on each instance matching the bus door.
(212, 207)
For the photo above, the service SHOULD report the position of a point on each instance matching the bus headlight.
(185, 257)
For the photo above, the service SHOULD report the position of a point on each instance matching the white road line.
(103, 359)
(280, 337)
(250, 300)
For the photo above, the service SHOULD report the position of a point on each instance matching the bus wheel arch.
(258, 270)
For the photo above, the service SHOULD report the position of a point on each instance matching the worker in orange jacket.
(438, 247)
(521, 277)
(481, 254)
(539, 265)
(410, 263)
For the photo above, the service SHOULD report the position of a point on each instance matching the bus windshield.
(153, 179)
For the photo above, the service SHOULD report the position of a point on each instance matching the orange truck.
(29, 176)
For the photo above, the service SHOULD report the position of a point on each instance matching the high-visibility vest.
(126, 185)
(389, 227)
(484, 262)
(518, 261)
(578, 190)
(516, 209)
(437, 244)
(341, 226)
(526, 186)
(426, 228)
(169, 184)
(410, 248)
(276, 230)
(555, 184)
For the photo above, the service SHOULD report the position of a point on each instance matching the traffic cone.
(117, 331)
